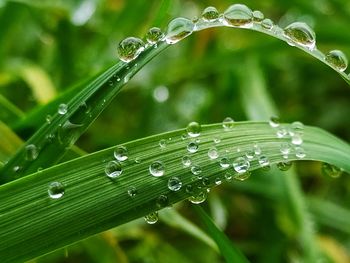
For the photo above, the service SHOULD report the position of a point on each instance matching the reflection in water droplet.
(192, 147)
(284, 166)
(238, 15)
(174, 184)
(154, 35)
(121, 153)
(193, 129)
(331, 170)
(113, 169)
(228, 123)
(213, 153)
(55, 190)
(241, 165)
(151, 218)
(178, 29)
(130, 48)
(62, 109)
(301, 34)
(337, 59)
(157, 169)
(210, 14)
(31, 152)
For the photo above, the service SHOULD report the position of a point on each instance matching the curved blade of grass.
(228, 250)
(32, 224)
(9, 113)
(85, 107)
(9, 142)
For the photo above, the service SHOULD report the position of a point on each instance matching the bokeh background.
(48, 46)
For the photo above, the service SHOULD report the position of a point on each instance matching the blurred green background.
(48, 46)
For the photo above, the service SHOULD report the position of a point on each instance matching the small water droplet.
(154, 35)
(281, 132)
(228, 123)
(55, 190)
(113, 169)
(31, 152)
(241, 165)
(300, 152)
(196, 170)
(121, 153)
(174, 184)
(157, 169)
(297, 139)
(178, 29)
(331, 170)
(138, 160)
(192, 147)
(337, 59)
(48, 119)
(257, 149)
(186, 160)
(62, 109)
(213, 153)
(297, 127)
(285, 148)
(267, 24)
(218, 181)
(198, 198)
(162, 201)
(151, 218)
(193, 129)
(130, 48)
(132, 191)
(274, 121)
(258, 16)
(210, 14)
(162, 143)
(302, 34)
(242, 176)
(263, 161)
(284, 166)
(228, 176)
(250, 154)
(224, 162)
(238, 15)
(217, 140)
(205, 181)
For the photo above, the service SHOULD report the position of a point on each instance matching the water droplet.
(154, 35)
(285, 148)
(267, 23)
(162, 201)
(224, 162)
(132, 191)
(331, 170)
(210, 14)
(17, 168)
(205, 181)
(242, 176)
(192, 147)
(301, 34)
(217, 140)
(189, 189)
(274, 121)
(337, 59)
(113, 169)
(196, 170)
(186, 160)
(193, 129)
(281, 132)
(48, 119)
(257, 149)
(174, 184)
(297, 139)
(263, 161)
(130, 48)
(300, 152)
(157, 169)
(241, 165)
(178, 29)
(284, 166)
(138, 160)
(55, 190)
(250, 154)
(162, 143)
(228, 123)
(31, 152)
(258, 16)
(239, 15)
(228, 176)
(198, 198)
(121, 153)
(218, 181)
(62, 109)
(297, 127)
(151, 218)
(213, 153)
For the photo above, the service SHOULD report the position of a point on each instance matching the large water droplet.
(213, 153)
(121, 153)
(241, 165)
(62, 109)
(151, 218)
(337, 59)
(198, 198)
(186, 160)
(55, 190)
(113, 169)
(174, 184)
(239, 15)
(193, 129)
(31, 152)
(284, 166)
(154, 35)
(130, 48)
(301, 34)
(157, 169)
(210, 14)
(178, 29)
(228, 123)
(192, 147)
(331, 170)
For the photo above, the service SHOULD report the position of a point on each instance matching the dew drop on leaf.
(186, 160)
(121, 153)
(302, 34)
(274, 121)
(178, 29)
(198, 198)
(210, 14)
(151, 218)
(56, 190)
(213, 153)
(241, 165)
(284, 166)
(62, 109)
(267, 23)
(132, 191)
(337, 59)
(239, 15)
(331, 170)
(31, 152)
(174, 184)
(193, 129)
(192, 147)
(113, 169)
(258, 16)
(154, 35)
(157, 169)
(130, 48)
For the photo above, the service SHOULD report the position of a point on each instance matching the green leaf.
(228, 250)
(37, 224)
(9, 142)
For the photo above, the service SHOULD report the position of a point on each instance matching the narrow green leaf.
(9, 113)
(9, 142)
(228, 250)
